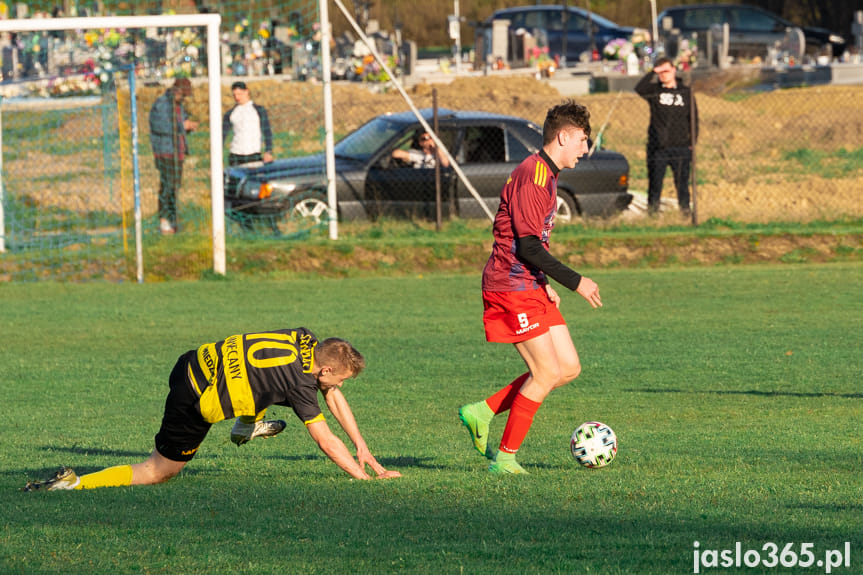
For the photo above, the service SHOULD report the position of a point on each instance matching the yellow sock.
(254, 418)
(110, 477)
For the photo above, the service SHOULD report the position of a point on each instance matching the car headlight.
(268, 188)
(833, 38)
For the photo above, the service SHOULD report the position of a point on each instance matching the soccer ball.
(593, 444)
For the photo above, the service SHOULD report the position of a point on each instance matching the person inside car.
(423, 152)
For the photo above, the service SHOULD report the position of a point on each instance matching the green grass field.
(734, 391)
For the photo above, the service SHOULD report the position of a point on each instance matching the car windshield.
(368, 139)
(599, 20)
(542, 18)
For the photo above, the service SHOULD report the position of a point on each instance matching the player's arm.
(338, 406)
(333, 447)
(531, 251)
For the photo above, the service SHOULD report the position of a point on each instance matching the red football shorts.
(514, 316)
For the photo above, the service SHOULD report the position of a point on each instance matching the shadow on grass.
(830, 507)
(753, 392)
(409, 461)
(397, 528)
(128, 457)
(78, 450)
(304, 457)
(388, 462)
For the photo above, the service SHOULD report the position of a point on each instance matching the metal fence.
(791, 155)
(762, 156)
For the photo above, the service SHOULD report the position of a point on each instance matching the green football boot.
(505, 463)
(476, 417)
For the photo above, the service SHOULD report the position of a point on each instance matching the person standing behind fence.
(669, 136)
(169, 124)
(250, 124)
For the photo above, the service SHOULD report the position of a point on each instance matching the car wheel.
(566, 208)
(309, 210)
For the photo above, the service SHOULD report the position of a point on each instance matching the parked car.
(751, 30)
(547, 21)
(370, 183)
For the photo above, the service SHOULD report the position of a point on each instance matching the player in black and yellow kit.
(241, 376)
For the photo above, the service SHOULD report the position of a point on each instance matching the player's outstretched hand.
(392, 474)
(588, 289)
(365, 457)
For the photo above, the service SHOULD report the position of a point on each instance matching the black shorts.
(183, 428)
(239, 160)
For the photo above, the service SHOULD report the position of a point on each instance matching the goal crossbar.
(211, 22)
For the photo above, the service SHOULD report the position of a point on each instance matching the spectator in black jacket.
(253, 137)
(670, 134)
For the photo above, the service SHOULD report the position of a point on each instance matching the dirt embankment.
(753, 154)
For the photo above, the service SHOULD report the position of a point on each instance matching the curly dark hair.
(569, 114)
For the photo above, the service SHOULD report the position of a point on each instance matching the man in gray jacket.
(169, 124)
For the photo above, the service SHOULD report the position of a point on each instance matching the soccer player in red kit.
(521, 307)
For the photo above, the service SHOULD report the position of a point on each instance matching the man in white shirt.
(422, 153)
(253, 138)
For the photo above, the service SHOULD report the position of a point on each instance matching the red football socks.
(518, 423)
(502, 400)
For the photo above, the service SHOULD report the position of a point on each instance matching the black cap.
(240, 85)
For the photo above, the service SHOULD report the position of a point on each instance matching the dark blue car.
(752, 31)
(584, 30)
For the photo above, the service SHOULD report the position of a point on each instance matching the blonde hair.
(339, 354)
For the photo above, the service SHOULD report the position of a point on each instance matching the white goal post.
(209, 21)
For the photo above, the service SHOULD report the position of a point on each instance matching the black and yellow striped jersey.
(244, 374)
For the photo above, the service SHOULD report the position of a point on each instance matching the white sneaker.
(165, 226)
(245, 432)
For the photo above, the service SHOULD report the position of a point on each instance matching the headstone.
(793, 45)
(857, 30)
(718, 45)
(409, 49)
(672, 44)
(500, 39)
(8, 62)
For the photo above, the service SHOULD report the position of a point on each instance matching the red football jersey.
(528, 203)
